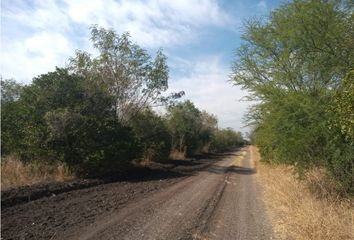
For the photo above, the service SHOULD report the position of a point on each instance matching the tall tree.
(132, 77)
(295, 62)
(304, 46)
(184, 121)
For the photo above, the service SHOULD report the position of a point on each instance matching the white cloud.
(41, 34)
(208, 87)
(44, 15)
(35, 55)
(152, 23)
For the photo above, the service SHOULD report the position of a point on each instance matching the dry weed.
(15, 173)
(177, 155)
(297, 212)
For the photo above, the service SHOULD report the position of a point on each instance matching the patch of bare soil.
(46, 211)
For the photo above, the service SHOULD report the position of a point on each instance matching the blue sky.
(198, 36)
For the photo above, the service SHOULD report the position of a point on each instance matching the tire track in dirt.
(240, 213)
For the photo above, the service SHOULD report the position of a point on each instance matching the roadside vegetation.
(15, 172)
(96, 116)
(298, 64)
(306, 209)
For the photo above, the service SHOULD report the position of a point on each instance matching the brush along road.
(220, 201)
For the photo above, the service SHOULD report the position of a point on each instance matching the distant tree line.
(96, 115)
(299, 64)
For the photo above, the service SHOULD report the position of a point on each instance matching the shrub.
(226, 139)
(153, 136)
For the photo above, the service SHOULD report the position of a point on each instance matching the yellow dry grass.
(177, 155)
(15, 173)
(296, 212)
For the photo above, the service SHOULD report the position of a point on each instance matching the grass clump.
(15, 173)
(306, 209)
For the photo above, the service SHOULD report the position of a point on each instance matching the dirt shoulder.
(47, 211)
(170, 169)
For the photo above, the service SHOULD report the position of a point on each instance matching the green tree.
(343, 108)
(341, 142)
(11, 116)
(10, 90)
(153, 135)
(84, 114)
(192, 130)
(184, 124)
(226, 140)
(304, 46)
(130, 75)
(293, 63)
(208, 128)
(68, 118)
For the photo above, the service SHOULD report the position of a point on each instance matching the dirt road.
(221, 201)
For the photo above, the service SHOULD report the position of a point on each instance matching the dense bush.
(184, 122)
(153, 136)
(340, 158)
(191, 129)
(226, 140)
(66, 117)
(62, 117)
(195, 131)
(296, 63)
(11, 118)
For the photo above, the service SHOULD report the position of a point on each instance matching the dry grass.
(177, 155)
(297, 212)
(15, 173)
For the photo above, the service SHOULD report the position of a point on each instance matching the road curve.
(220, 202)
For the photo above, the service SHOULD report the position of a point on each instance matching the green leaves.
(10, 90)
(343, 108)
(296, 63)
(303, 47)
(226, 140)
(184, 124)
(129, 74)
(196, 131)
(153, 135)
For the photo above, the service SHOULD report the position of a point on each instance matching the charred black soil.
(46, 211)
